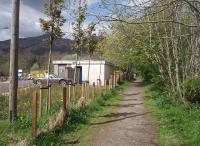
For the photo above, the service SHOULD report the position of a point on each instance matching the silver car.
(53, 79)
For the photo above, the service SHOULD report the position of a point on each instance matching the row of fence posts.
(70, 94)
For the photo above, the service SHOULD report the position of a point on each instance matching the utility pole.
(13, 76)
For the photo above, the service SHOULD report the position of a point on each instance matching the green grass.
(21, 128)
(178, 125)
(77, 124)
(78, 121)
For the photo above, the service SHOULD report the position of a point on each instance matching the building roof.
(81, 62)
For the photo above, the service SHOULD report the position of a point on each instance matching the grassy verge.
(79, 121)
(177, 125)
(21, 128)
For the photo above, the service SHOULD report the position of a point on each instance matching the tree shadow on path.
(130, 94)
(124, 105)
(131, 99)
(120, 119)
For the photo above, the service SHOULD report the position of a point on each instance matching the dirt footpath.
(128, 126)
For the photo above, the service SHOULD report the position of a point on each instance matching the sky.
(30, 12)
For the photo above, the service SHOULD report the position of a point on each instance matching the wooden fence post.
(105, 84)
(34, 114)
(40, 102)
(97, 83)
(94, 90)
(49, 97)
(109, 84)
(114, 79)
(100, 87)
(118, 77)
(73, 91)
(47, 101)
(82, 90)
(64, 98)
(88, 90)
(69, 92)
(111, 81)
(85, 89)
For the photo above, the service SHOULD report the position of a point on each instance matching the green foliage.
(21, 128)
(35, 67)
(177, 125)
(53, 25)
(78, 120)
(90, 40)
(128, 53)
(78, 32)
(191, 89)
(4, 67)
(4, 103)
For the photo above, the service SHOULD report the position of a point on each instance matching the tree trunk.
(169, 62)
(88, 77)
(14, 44)
(100, 68)
(51, 39)
(75, 70)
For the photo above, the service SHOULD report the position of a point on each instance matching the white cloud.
(29, 22)
(29, 18)
(4, 34)
(5, 16)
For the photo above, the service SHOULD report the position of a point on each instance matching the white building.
(98, 69)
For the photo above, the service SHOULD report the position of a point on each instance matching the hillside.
(34, 49)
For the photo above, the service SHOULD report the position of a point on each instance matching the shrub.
(191, 89)
(35, 67)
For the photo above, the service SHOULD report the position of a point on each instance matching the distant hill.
(34, 49)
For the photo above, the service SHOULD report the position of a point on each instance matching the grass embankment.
(77, 124)
(21, 128)
(178, 125)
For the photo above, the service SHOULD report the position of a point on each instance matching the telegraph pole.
(13, 76)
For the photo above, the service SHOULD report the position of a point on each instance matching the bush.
(35, 67)
(191, 89)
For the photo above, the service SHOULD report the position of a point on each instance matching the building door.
(79, 74)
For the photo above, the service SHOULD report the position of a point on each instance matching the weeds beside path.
(113, 120)
(178, 125)
(76, 128)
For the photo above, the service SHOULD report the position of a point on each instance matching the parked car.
(53, 79)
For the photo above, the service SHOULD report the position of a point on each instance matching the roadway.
(4, 86)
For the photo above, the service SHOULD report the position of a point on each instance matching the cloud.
(35, 4)
(5, 34)
(29, 24)
(29, 21)
(30, 12)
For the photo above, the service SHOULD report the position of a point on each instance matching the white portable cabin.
(98, 69)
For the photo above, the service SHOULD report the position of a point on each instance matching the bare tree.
(91, 44)
(78, 32)
(52, 26)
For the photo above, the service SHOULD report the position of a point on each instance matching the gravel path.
(128, 126)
